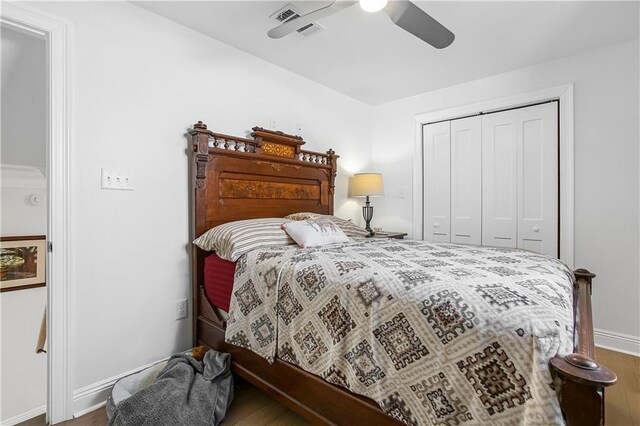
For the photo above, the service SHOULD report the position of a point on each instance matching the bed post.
(583, 378)
(333, 162)
(199, 158)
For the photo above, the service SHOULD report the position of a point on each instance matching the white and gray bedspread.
(440, 334)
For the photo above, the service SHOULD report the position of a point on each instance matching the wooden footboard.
(583, 378)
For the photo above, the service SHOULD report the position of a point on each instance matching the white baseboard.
(617, 342)
(24, 416)
(94, 396)
(88, 410)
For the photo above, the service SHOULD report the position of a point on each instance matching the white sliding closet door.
(437, 181)
(520, 179)
(493, 179)
(466, 181)
(538, 178)
(499, 179)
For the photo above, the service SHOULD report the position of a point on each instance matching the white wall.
(23, 381)
(139, 82)
(23, 129)
(606, 167)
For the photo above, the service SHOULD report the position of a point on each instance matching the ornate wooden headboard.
(235, 178)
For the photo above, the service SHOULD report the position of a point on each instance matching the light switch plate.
(117, 179)
(401, 193)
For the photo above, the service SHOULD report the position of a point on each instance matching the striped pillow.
(232, 240)
(348, 227)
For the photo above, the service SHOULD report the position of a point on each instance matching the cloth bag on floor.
(182, 391)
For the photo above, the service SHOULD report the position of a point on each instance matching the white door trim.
(562, 93)
(57, 34)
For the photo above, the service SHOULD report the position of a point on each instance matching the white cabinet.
(493, 179)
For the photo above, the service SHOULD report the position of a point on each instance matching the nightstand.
(394, 235)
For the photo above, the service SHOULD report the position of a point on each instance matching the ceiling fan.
(403, 13)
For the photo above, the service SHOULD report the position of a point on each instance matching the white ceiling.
(365, 56)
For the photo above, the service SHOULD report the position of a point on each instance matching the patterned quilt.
(440, 334)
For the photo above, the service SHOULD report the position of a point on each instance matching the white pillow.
(314, 232)
(233, 239)
(349, 228)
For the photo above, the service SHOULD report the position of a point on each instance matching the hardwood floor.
(251, 407)
(622, 401)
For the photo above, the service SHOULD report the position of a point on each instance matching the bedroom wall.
(606, 169)
(139, 82)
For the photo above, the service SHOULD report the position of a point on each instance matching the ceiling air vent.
(285, 14)
(310, 29)
(290, 12)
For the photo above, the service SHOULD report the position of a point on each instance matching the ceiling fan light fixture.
(373, 5)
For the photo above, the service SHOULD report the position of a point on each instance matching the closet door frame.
(563, 94)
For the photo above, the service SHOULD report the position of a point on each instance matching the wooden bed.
(270, 175)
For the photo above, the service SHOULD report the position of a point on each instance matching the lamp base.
(367, 214)
(368, 228)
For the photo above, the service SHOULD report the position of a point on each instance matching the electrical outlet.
(117, 179)
(401, 193)
(181, 309)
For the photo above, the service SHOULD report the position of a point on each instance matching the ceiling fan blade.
(293, 24)
(416, 21)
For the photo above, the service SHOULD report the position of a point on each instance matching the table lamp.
(367, 185)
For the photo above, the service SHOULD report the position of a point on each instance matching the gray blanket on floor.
(186, 392)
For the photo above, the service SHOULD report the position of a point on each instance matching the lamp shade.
(367, 185)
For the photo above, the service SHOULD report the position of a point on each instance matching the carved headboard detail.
(236, 178)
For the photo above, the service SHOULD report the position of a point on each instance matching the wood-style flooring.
(622, 400)
(251, 407)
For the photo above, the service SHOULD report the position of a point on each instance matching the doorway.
(23, 225)
(55, 34)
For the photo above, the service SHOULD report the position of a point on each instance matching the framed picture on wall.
(22, 262)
